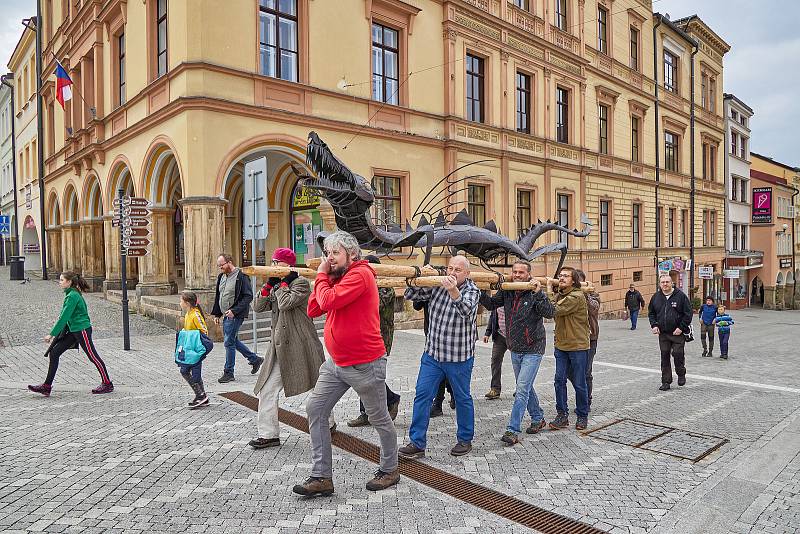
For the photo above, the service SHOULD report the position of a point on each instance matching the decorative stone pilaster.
(93, 253)
(154, 268)
(71, 246)
(203, 239)
(55, 259)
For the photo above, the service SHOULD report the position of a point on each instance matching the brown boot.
(383, 480)
(315, 487)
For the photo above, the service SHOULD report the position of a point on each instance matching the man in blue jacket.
(232, 303)
(707, 313)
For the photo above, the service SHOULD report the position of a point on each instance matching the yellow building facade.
(558, 96)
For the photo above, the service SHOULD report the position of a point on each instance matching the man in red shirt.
(346, 290)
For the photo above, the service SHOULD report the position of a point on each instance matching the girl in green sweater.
(72, 329)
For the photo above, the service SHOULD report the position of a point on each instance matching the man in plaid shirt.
(449, 352)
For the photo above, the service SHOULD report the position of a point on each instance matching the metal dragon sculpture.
(352, 198)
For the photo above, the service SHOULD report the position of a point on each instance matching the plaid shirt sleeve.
(418, 294)
(453, 333)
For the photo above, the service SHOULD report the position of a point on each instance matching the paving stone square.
(138, 461)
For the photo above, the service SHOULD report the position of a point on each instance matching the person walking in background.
(524, 311)
(294, 353)
(232, 303)
(723, 320)
(496, 330)
(670, 315)
(386, 297)
(73, 329)
(593, 304)
(190, 350)
(346, 289)
(634, 302)
(571, 340)
(449, 352)
(438, 401)
(707, 313)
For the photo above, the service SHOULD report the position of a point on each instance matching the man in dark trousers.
(232, 303)
(670, 314)
(635, 303)
(496, 330)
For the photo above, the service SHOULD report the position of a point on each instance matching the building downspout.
(695, 49)
(794, 253)
(5, 81)
(40, 137)
(726, 184)
(658, 173)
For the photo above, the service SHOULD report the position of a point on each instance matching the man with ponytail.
(72, 329)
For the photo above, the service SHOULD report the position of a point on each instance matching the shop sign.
(672, 264)
(28, 202)
(785, 263)
(705, 272)
(762, 205)
(730, 273)
(754, 260)
(306, 198)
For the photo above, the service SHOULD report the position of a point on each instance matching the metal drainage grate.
(659, 438)
(487, 499)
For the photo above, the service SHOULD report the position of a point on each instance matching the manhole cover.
(659, 438)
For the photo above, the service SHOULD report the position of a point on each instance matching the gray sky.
(761, 69)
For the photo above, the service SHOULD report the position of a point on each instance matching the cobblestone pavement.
(137, 461)
(34, 307)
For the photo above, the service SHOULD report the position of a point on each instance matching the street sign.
(131, 201)
(128, 211)
(705, 272)
(135, 222)
(135, 232)
(135, 252)
(133, 242)
(5, 225)
(730, 273)
(255, 198)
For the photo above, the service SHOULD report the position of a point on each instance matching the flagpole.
(74, 89)
(40, 141)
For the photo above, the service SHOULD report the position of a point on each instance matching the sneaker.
(461, 448)
(705, 353)
(724, 357)
(383, 480)
(263, 443)
(561, 421)
(361, 420)
(510, 438)
(44, 389)
(664, 387)
(682, 379)
(581, 423)
(535, 427)
(225, 378)
(256, 365)
(198, 402)
(103, 388)
(315, 487)
(493, 394)
(410, 452)
(393, 409)
(436, 410)
(710, 354)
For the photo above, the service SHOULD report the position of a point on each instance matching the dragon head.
(333, 176)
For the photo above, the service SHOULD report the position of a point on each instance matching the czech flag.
(63, 84)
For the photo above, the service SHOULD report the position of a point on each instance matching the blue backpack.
(191, 346)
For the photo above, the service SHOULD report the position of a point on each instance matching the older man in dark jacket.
(232, 303)
(525, 336)
(670, 314)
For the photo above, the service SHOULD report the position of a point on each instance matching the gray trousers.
(707, 331)
(369, 382)
(499, 348)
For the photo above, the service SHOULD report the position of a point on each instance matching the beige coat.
(294, 343)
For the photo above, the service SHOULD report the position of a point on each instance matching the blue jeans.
(230, 332)
(723, 342)
(526, 366)
(572, 364)
(634, 318)
(431, 373)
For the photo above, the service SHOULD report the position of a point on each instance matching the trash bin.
(17, 264)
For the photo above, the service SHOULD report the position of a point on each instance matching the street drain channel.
(487, 499)
(659, 438)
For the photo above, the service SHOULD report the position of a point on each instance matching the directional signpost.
(255, 215)
(132, 216)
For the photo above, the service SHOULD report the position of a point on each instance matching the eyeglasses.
(275, 262)
(221, 265)
(565, 275)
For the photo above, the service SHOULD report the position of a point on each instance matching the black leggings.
(84, 339)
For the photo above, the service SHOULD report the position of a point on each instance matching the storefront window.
(306, 224)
